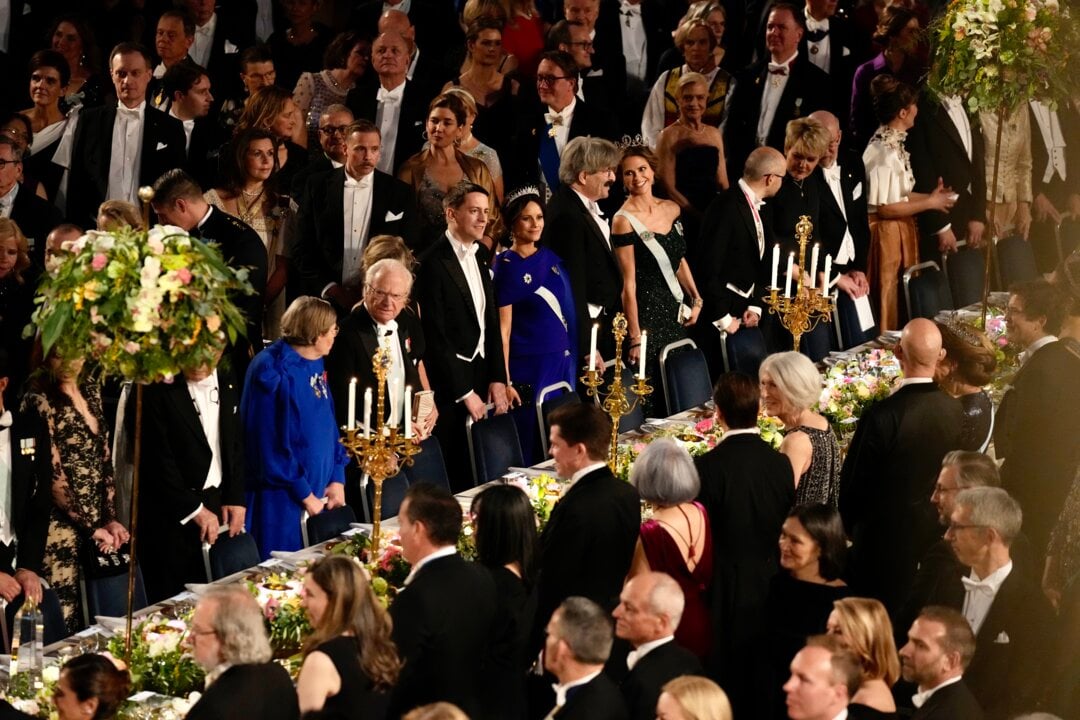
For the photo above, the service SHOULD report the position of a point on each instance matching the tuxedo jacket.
(31, 492)
(588, 543)
(730, 268)
(1056, 189)
(598, 699)
(843, 36)
(321, 241)
(588, 119)
(36, 217)
(363, 102)
(1041, 458)
(356, 343)
(443, 627)
(163, 148)
(1004, 675)
(937, 151)
(437, 29)
(609, 42)
(595, 278)
(451, 326)
(256, 691)
(854, 217)
(886, 483)
(951, 702)
(317, 164)
(204, 152)
(641, 687)
(807, 90)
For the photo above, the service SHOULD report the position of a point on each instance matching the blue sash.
(549, 159)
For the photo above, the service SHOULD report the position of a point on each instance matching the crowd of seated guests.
(477, 188)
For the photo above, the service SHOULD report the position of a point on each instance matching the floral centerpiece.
(159, 661)
(144, 306)
(287, 624)
(854, 384)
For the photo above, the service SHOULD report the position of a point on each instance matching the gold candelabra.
(615, 402)
(380, 450)
(801, 312)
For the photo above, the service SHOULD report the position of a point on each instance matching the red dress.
(524, 39)
(695, 629)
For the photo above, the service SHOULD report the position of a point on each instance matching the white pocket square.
(857, 192)
(162, 146)
(846, 52)
(1002, 638)
(392, 216)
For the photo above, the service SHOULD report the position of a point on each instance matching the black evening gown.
(506, 693)
(695, 178)
(977, 422)
(358, 699)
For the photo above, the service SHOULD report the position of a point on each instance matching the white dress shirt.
(771, 94)
(635, 656)
(442, 552)
(582, 473)
(8, 201)
(395, 379)
(264, 20)
(919, 699)
(466, 257)
(632, 28)
(412, 64)
(7, 529)
(204, 42)
(1053, 139)
(910, 381)
(597, 216)
(356, 205)
(979, 594)
(560, 123)
(126, 153)
(205, 397)
(819, 50)
(387, 117)
(740, 431)
(189, 126)
(955, 107)
(847, 245)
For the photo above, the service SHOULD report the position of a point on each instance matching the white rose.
(50, 674)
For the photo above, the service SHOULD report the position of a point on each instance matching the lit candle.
(408, 411)
(813, 265)
(790, 270)
(775, 263)
(828, 274)
(351, 425)
(592, 347)
(641, 357)
(367, 412)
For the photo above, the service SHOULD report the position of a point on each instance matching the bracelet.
(698, 302)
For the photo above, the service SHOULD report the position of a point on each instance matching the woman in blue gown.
(536, 311)
(292, 455)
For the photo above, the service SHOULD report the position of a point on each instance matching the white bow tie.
(632, 659)
(207, 383)
(560, 694)
(124, 111)
(973, 586)
(389, 96)
(919, 699)
(387, 329)
(352, 182)
(628, 10)
(467, 250)
(812, 24)
(554, 119)
(595, 209)
(5, 420)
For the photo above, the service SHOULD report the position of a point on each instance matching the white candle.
(641, 357)
(775, 263)
(813, 265)
(367, 412)
(592, 347)
(790, 270)
(828, 273)
(394, 398)
(408, 411)
(351, 425)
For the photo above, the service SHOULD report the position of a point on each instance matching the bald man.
(890, 470)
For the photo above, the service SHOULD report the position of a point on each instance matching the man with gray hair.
(1003, 605)
(576, 231)
(577, 645)
(650, 609)
(228, 639)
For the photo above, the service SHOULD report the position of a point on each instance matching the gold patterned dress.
(82, 489)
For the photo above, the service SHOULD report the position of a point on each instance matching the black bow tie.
(816, 35)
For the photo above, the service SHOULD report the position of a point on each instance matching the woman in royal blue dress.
(292, 455)
(536, 311)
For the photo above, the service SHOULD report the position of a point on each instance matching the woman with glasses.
(492, 90)
(292, 455)
(347, 60)
(250, 193)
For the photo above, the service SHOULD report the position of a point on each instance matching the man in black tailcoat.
(939, 649)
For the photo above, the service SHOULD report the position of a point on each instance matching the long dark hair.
(823, 524)
(505, 529)
(235, 175)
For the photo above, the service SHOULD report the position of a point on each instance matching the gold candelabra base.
(380, 454)
(802, 313)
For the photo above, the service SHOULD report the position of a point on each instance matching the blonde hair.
(699, 698)
(692, 78)
(808, 135)
(382, 247)
(117, 213)
(867, 632)
(436, 711)
(465, 96)
(306, 319)
(9, 229)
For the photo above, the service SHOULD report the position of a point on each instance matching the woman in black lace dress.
(967, 367)
(790, 386)
(350, 662)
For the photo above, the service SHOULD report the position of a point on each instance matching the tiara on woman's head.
(965, 332)
(522, 192)
(628, 142)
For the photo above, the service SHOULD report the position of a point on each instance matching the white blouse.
(888, 168)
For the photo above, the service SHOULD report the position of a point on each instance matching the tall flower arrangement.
(142, 305)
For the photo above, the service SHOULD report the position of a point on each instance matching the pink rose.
(183, 275)
(99, 262)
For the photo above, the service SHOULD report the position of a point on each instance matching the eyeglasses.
(333, 129)
(769, 175)
(267, 76)
(195, 632)
(5, 163)
(954, 527)
(584, 43)
(383, 295)
(550, 79)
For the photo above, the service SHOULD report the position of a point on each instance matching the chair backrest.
(493, 446)
(965, 271)
(1016, 262)
(428, 466)
(393, 494)
(108, 596)
(685, 373)
(229, 555)
(926, 291)
(546, 401)
(328, 524)
(743, 351)
(636, 417)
